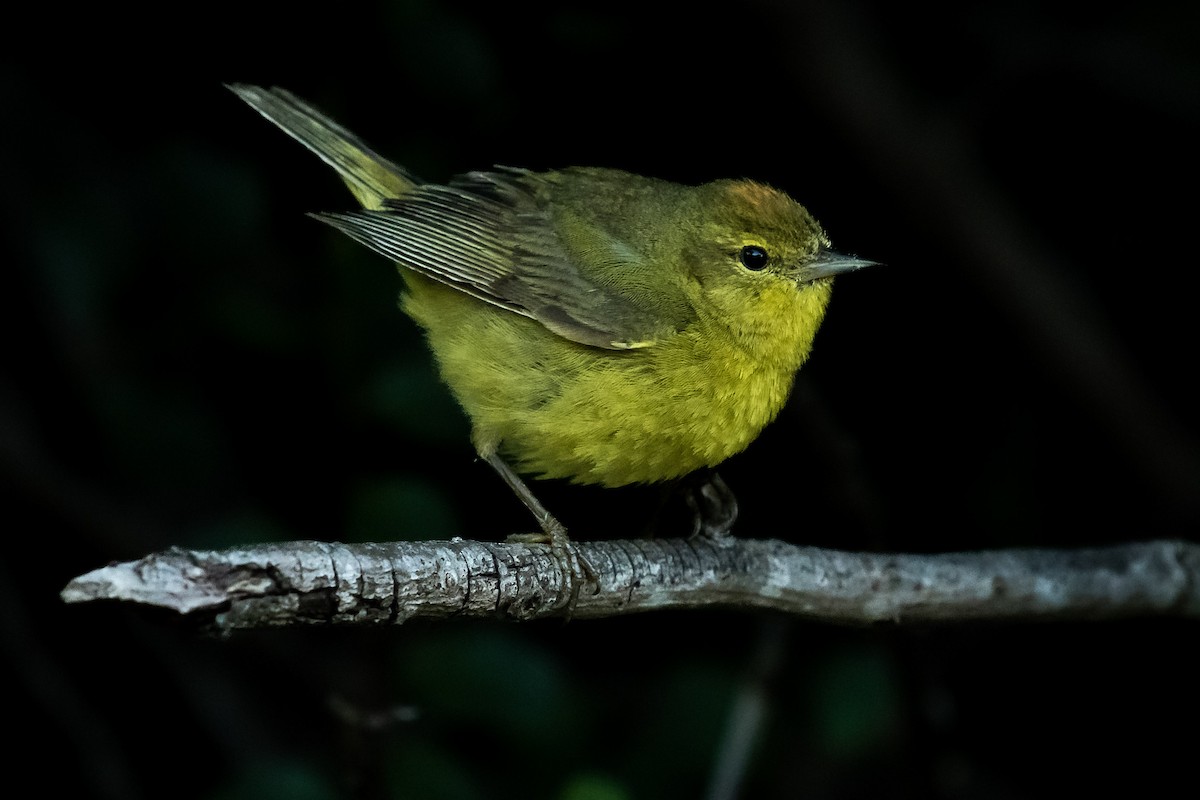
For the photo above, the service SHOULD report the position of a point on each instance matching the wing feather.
(488, 235)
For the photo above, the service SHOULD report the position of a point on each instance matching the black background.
(189, 360)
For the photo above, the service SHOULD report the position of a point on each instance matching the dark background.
(189, 360)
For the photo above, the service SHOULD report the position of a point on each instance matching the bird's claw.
(714, 506)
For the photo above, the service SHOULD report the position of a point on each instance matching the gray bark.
(298, 583)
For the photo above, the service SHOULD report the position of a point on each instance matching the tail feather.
(371, 178)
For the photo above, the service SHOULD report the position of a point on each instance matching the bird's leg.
(714, 508)
(553, 531)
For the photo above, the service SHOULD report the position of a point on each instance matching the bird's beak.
(829, 263)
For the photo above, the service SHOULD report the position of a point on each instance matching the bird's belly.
(648, 416)
(558, 409)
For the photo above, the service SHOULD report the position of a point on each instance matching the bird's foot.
(574, 566)
(714, 507)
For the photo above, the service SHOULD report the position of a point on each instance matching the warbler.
(595, 325)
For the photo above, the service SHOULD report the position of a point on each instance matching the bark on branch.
(306, 583)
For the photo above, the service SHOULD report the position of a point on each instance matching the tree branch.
(307, 583)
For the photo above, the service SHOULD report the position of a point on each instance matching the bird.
(595, 325)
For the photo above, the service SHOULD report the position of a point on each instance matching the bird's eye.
(753, 257)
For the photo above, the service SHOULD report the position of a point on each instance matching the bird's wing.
(487, 235)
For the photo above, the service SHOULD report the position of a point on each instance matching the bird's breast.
(690, 401)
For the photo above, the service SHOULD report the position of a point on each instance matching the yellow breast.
(558, 409)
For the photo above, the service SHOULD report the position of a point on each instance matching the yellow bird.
(595, 325)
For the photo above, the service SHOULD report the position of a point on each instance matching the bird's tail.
(370, 177)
